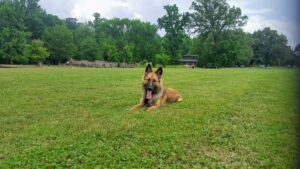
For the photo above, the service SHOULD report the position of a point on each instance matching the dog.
(154, 94)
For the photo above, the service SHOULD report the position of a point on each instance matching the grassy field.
(78, 118)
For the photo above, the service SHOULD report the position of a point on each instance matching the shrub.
(162, 59)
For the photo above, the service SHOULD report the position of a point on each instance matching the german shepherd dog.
(153, 93)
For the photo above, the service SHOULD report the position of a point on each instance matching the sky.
(277, 14)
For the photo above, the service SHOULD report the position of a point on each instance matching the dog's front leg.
(141, 104)
(157, 104)
(136, 106)
(152, 107)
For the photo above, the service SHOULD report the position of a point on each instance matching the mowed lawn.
(78, 118)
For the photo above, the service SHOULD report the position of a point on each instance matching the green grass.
(78, 118)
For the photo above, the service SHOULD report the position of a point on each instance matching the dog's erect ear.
(148, 69)
(159, 72)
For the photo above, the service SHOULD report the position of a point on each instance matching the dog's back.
(172, 95)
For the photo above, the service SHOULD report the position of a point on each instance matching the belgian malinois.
(153, 93)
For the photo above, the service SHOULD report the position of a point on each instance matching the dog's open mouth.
(149, 94)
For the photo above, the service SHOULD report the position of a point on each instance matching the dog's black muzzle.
(150, 86)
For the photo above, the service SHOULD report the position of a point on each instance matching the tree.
(128, 53)
(173, 23)
(51, 21)
(295, 59)
(33, 17)
(12, 45)
(186, 45)
(233, 48)
(236, 47)
(36, 51)
(97, 18)
(13, 35)
(245, 53)
(162, 59)
(71, 23)
(88, 49)
(270, 48)
(209, 21)
(59, 41)
(206, 51)
(146, 41)
(82, 32)
(96, 23)
(215, 17)
(85, 40)
(112, 54)
(141, 36)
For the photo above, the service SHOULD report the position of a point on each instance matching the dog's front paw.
(152, 107)
(130, 109)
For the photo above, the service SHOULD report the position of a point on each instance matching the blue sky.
(277, 14)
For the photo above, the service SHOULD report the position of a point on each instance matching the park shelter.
(188, 60)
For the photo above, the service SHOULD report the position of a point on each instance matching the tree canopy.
(174, 24)
(211, 29)
(36, 52)
(59, 41)
(214, 17)
(270, 48)
(215, 22)
(13, 34)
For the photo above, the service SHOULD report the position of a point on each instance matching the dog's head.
(152, 81)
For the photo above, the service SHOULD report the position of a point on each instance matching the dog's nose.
(150, 87)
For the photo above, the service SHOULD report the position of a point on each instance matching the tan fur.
(166, 95)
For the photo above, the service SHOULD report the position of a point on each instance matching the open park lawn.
(77, 118)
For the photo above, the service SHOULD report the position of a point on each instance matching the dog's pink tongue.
(149, 94)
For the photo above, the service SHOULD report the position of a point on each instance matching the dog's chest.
(148, 102)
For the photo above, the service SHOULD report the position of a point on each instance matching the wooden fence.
(100, 64)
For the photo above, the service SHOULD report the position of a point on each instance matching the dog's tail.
(179, 99)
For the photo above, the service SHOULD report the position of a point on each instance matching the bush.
(36, 51)
(162, 59)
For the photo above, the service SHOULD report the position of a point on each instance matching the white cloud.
(138, 16)
(257, 11)
(285, 27)
(257, 20)
(85, 9)
(248, 9)
(142, 9)
(58, 7)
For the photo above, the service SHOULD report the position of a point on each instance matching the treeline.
(212, 30)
